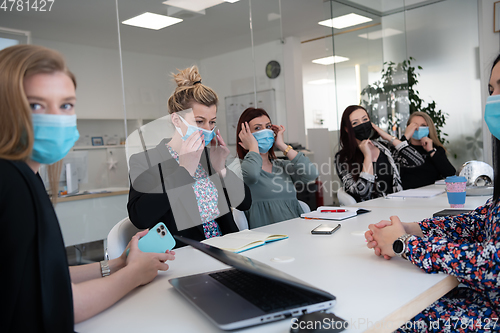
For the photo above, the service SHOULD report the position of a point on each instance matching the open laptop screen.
(250, 265)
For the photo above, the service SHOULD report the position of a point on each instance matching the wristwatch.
(399, 246)
(105, 271)
(433, 150)
(287, 150)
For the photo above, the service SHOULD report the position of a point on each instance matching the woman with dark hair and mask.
(271, 180)
(466, 246)
(368, 168)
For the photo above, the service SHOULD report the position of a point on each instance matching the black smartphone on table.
(325, 229)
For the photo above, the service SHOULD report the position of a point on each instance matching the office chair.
(119, 237)
(240, 219)
(305, 207)
(344, 198)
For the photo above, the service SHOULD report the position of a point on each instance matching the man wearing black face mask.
(367, 167)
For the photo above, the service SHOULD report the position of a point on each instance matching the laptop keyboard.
(266, 294)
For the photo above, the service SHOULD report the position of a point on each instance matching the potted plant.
(394, 97)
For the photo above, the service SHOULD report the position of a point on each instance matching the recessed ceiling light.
(381, 33)
(193, 5)
(345, 21)
(231, 1)
(322, 81)
(330, 60)
(152, 21)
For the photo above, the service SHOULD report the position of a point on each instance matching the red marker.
(333, 211)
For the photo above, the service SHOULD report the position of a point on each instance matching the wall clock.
(273, 69)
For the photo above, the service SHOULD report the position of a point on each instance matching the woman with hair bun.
(183, 181)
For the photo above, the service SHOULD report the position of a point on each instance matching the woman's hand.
(190, 152)
(383, 135)
(364, 146)
(410, 129)
(218, 152)
(382, 235)
(280, 141)
(427, 143)
(145, 266)
(248, 141)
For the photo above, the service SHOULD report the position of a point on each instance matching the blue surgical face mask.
(421, 132)
(208, 135)
(265, 139)
(54, 135)
(492, 115)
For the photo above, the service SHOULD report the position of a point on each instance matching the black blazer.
(161, 191)
(36, 286)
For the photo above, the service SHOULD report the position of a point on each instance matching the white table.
(374, 294)
(440, 201)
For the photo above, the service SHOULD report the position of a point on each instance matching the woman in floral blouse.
(465, 246)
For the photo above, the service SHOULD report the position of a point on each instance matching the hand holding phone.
(325, 229)
(157, 240)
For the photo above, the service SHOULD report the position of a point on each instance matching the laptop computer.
(248, 294)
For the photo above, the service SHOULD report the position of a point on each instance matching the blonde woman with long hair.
(38, 126)
(425, 141)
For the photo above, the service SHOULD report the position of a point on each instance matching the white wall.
(443, 38)
(233, 74)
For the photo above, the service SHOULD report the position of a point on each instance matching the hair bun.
(187, 77)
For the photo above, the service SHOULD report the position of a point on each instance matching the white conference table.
(439, 201)
(373, 294)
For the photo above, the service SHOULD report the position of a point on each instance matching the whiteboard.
(235, 105)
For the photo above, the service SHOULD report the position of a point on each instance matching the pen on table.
(333, 210)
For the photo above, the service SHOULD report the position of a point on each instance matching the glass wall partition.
(85, 34)
(239, 61)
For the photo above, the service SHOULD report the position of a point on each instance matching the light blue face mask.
(265, 139)
(421, 132)
(54, 136)
(492, 115)
(208, 135)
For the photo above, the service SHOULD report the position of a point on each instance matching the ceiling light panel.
(345, 21)
(152, 21)
(193, 5)
(330, 60)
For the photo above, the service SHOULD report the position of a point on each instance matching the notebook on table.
(333, 213)
(243, 240)
(249, 293)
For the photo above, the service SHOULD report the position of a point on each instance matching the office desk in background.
(89, 217)
(373, 294)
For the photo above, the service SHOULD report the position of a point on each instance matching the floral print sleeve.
(475, 263)
(459, 228)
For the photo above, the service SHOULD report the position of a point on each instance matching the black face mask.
(363, 131)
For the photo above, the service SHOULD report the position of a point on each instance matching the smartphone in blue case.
(157, 240)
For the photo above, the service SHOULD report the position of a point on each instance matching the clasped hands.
(382, 235)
